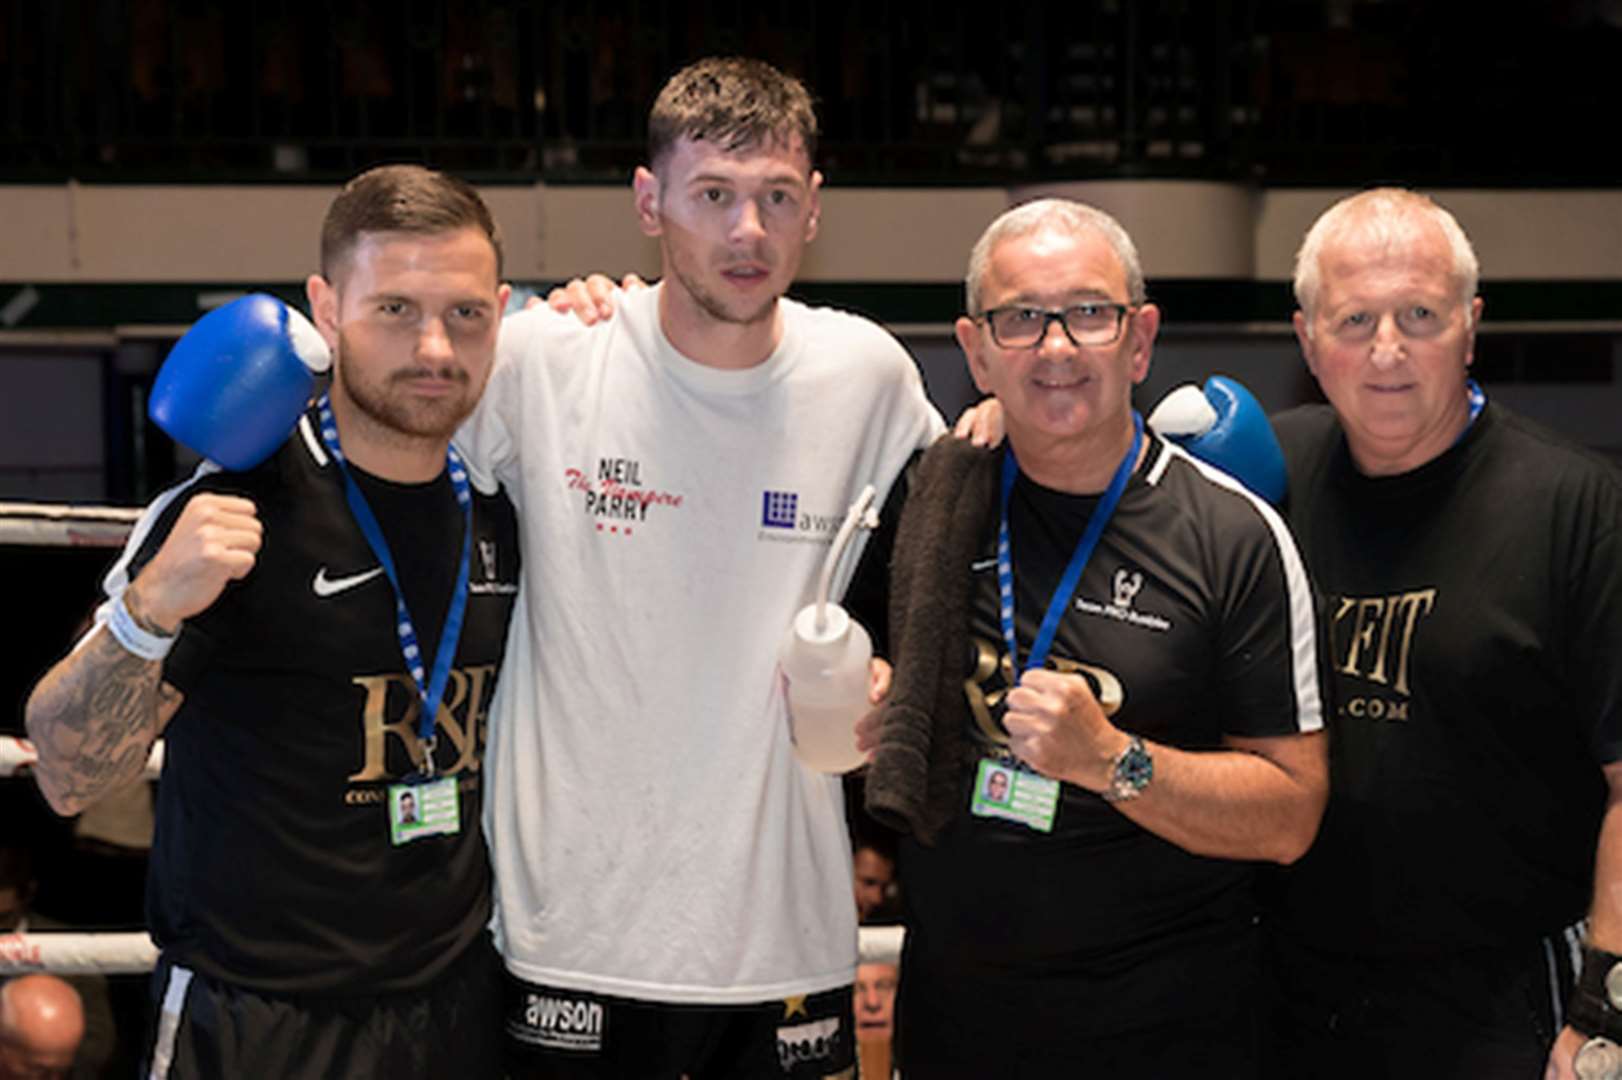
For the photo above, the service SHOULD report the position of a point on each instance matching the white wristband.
(143, 643)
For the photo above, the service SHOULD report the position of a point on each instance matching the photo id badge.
(426, 809)
(1003, 791)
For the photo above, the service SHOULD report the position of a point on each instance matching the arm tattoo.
(93, 719)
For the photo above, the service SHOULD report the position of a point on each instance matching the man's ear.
(645, 185)
(1145, 328)
(814, 219)
(1303, 337)
(1476, 306)
(323, 308)
(968, 339)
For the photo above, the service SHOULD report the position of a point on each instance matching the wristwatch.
(1130, 773)
(1597, 1059)
(1595, 1012)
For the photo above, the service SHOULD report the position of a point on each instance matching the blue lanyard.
(1477, 398)
(432, 691)
(1078, 561)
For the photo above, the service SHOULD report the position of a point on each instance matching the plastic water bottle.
(825, 658)
(827, 669)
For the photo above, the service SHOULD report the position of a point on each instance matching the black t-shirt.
(272, 866)
(1474, 612)
(1192, 621)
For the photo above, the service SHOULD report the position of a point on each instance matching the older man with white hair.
(1472, 566)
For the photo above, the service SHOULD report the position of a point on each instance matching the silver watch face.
(1613, 985)
(1137, 767)
(1133, 770)
(1598, 1059)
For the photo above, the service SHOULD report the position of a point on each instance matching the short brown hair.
(401, 198)
(734, 102)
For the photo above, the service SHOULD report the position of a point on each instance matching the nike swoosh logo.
(982, 564)
(325, 586)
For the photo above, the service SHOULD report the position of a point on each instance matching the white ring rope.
(19, 754)
(880, 944)
(55, 525)
(64, 953)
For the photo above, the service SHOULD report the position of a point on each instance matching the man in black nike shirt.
(311, 638)
(1472, 566)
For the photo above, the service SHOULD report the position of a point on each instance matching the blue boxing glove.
(234, 386)
(1226, 427)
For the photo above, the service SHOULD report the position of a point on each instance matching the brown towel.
(915, 779)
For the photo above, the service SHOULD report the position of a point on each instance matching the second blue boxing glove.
(1224, 425)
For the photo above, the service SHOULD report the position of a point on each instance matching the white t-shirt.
(653, 834)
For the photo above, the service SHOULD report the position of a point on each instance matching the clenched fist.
(215, 540)
(1056, 726)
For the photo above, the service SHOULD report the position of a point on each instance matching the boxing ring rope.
(65, 953)
(56, 525)
(880, 944)
(17, 755)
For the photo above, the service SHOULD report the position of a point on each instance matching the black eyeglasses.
(1089, 325)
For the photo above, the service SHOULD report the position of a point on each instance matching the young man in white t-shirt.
(673, 884)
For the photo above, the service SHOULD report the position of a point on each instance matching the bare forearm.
(1604, 925)
(1605, 919)
(93, 718)
(1236, 804)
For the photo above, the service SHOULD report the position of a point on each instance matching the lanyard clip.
(425, 767)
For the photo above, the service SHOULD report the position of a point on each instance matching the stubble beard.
(392, 409)
(713, 305)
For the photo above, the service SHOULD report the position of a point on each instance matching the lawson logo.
(560, 1023)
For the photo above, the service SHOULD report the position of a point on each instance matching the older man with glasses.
(1128, 636)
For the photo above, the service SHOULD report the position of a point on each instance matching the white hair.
(1075, 217)
(1388, 216)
